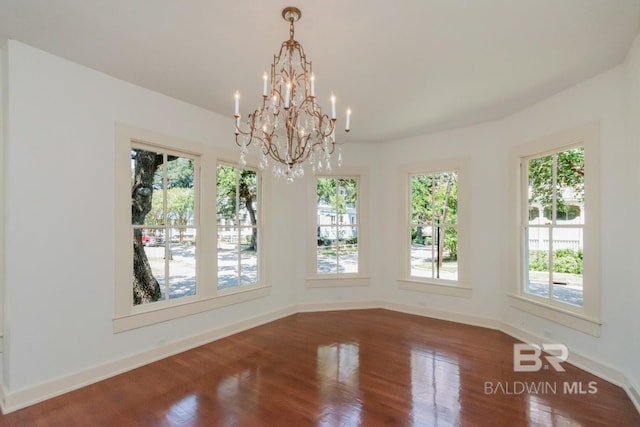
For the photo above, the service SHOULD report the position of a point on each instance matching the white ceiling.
(405, 67)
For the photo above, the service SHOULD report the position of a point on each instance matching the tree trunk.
(247, 196)
(145, 286)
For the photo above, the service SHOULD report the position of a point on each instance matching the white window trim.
(362, 277)
(587, 318)
(126, 315)
(461, 287)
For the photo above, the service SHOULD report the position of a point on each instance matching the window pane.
(448, 268)
(249, 255)
(182, 263)
(567, 267)
(570, 185)
(226, 195)
(180, 195)
(537, 261)
(228, 253)
(423, 252)
(421, 199)
(540, 172)
(327, 258)
(248, 190)
(149, 265)
(434, 198)
(348, 251)
(147, 187)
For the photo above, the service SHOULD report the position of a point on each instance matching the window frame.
(128, 316)
(588, 317)
(362, 277)
(462, 286)
(195, 225)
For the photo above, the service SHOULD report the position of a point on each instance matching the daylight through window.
(434, 225)
(337, 225)
(164, 224)
(238, 226)
(554, 240)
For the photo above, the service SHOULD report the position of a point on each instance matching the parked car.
(152, 239)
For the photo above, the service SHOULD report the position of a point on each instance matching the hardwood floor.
(346, 368)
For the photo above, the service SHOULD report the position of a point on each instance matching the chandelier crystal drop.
(289, 127)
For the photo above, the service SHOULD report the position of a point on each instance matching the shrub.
(565, 261)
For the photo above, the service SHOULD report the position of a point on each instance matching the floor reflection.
(542, 413)
(184, 412)
(435, 388)
(338, 382)
(236, 394)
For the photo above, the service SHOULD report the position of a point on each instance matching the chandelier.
(289, 126)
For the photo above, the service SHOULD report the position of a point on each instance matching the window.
(435, 227)
(553, 250)
(337, 229)
(163, 221)
(337, 225)
(558, 246)
(182, 246)
(238, 231)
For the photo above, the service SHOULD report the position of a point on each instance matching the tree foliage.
(568, 181)
(434, 201)
(339, 193)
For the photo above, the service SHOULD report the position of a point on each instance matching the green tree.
(569, 175)
(238, 186)
(180, 208)
(339, 193)
(434, 202)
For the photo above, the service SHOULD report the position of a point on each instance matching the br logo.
(528, 357)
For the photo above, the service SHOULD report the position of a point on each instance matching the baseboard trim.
(41, 392)
(634, 394)
(466, 319)
(22, 398)
(336, 306)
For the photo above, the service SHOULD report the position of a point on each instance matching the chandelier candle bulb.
(287, 97)
(264, 84)
(333, 106)
(236, 111)
(313, 85)
(348, 121)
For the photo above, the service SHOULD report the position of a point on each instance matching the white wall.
(3, 128)
(632, 89)
(59, 219)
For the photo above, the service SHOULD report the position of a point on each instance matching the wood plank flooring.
(346, 368)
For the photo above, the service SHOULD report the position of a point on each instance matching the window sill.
(577, 321)
(332, 281)
(145, 315)
(435, 288)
